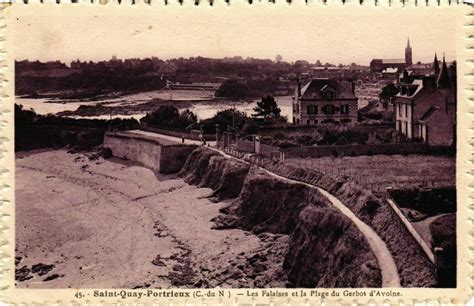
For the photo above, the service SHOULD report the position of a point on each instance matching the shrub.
(169, 116)
(226, 118)
(250, 127)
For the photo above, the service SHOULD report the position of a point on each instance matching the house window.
(399, 110)
(312, 110)
(328, 109)
(406, 110)
(345, 109)
(346, 120)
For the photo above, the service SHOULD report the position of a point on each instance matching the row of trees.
(266, 112)
(237, 66)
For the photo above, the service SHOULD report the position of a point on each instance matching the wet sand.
(84, 223)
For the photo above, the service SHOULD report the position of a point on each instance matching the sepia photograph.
(233, 151)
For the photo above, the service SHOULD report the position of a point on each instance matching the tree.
(187, 119)
(227, 119)
(267, 108)
(389, 91)
(278, 58)
(169, 116)
(301, 64)
(250, 127)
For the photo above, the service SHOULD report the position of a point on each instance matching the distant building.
(374, 106)
(323, 101)
(334, 73)
(422, 69)
(379, 65)
(390, 73)
(426, 106)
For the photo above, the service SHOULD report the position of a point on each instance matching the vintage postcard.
(235, 153)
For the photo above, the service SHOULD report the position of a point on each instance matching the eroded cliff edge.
(315, 244)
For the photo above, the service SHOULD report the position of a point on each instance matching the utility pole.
(168, 85)
(233, 117)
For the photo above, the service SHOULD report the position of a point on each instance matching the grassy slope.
(377, 172)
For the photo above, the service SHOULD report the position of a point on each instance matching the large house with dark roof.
(425, 106)
(323, 101)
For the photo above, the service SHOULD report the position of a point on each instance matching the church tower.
(408, 56)
(436, 65)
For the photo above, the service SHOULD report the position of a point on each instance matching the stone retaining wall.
(161, 157)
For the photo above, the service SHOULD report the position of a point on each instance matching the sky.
(332, 36)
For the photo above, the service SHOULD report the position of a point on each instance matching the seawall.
(325, 248)
(159, 155)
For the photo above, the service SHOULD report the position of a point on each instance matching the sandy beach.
(84, 223)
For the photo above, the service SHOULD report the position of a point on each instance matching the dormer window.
(403, 90)
(327, 93)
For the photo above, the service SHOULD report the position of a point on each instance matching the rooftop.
(393, 61)
(314, 87)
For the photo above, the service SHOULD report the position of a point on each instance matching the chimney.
(298, 88)
(405, 76)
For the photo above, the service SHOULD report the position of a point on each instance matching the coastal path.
(390, 277)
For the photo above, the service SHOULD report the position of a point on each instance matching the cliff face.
(207, 168)
(414, 268)
(324, 248)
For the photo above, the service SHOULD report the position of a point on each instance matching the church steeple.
(408, 54)
(436, 65)
(443, 78)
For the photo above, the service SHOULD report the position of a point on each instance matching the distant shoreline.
(134, 104)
